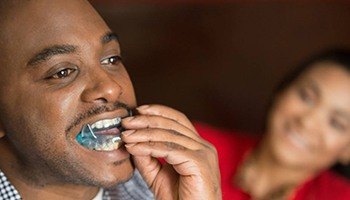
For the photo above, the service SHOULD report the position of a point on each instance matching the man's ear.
(345, 156)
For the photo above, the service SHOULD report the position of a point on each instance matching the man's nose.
(102, 87)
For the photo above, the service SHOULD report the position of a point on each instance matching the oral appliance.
(103, 135)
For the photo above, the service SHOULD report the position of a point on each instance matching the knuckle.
(148, 131)
(173, 132)
(182, 116)
(211, 147)
(151, 143)
(173, 146)
(209, 151)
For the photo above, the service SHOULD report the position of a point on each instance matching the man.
(62, 77)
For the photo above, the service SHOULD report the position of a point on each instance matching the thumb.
(148, 167)
(160, 178)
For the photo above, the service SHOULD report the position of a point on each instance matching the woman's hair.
(340, 56)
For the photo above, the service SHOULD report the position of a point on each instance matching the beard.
(46, 156)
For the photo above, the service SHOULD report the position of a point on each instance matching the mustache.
(98, 110)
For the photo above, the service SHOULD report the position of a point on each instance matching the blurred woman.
(307, 132)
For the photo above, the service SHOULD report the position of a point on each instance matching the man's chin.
(121, 175)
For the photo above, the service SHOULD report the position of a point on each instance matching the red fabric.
(233, 146)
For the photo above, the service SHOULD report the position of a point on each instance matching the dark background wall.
(217, 61)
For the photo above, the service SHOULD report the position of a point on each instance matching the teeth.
(297, 140)
(99, 124)
(117, 120)
(102, 143)
(109, 145)
(107, 142)
(106, 123)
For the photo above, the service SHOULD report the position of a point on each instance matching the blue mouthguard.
(88, 139)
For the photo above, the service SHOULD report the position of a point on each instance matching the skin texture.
(45, 101)
(308, 131)
(161, 132)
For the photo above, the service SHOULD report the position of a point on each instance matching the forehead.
(34, 25)
(333, 81)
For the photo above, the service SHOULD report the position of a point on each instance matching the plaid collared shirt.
(133, 189)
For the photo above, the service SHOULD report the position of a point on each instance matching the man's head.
(61, 69)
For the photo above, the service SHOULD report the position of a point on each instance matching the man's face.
(60, 70)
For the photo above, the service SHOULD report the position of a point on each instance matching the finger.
(166, 112)
(153, 121)
(185, 161)
(161, 135)
(148, 167)
(198, 166)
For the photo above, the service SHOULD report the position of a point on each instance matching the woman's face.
(309, 123)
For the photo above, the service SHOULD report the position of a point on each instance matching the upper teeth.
(298, 140)
(105, 123)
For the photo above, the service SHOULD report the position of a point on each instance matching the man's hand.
(189, 166)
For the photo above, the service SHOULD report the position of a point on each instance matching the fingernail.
(129, 145)
(128, 119)
(144, 107)
(128, 132)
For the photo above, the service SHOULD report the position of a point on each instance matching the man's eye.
(111, 60)
(63, 73)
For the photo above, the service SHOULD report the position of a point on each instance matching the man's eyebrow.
(48, 52)
(109, 37)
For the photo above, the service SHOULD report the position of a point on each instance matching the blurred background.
(219, 60)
